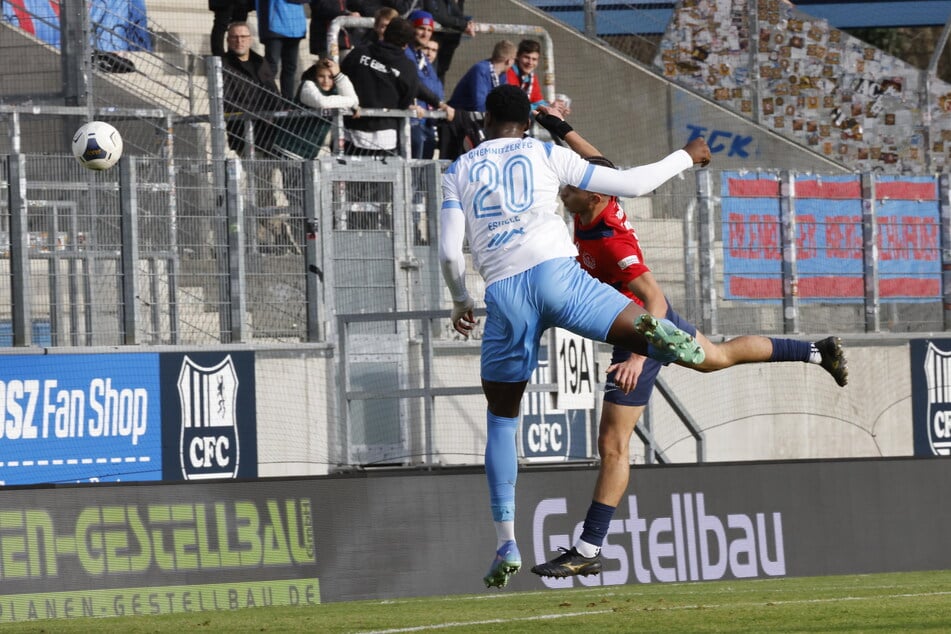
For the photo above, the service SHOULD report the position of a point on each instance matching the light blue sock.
(501, 465)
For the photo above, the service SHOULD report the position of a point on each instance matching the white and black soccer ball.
(97, 145)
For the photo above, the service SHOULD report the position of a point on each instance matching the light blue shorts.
(520, 308)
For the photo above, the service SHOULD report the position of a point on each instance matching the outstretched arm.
(636, 181)
(452, 228)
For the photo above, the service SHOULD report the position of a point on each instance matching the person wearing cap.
(423, 131)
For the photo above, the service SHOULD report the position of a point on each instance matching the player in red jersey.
(609, 250)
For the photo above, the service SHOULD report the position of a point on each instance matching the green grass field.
(905, 602)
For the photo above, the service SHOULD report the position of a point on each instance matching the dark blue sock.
(790, 350)
(596, 523)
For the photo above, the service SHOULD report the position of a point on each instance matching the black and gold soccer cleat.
(833, 359)
(568, 564)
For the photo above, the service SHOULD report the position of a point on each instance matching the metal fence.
(281, 247)
(118, 257)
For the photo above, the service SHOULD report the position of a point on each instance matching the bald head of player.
(507, 112)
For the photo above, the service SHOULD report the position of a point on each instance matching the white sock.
(586, 550)
(504, 532)
(814, 356)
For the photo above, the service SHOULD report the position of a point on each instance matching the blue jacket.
(280, 18)
(472, 89)
(427, 77)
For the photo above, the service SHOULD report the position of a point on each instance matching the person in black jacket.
(383, 77)
(451, 17)
(249, 87)
(226, 12)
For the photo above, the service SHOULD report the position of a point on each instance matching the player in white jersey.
(503, 197)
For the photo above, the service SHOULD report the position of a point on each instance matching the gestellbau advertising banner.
(127, 417)
(154, 549)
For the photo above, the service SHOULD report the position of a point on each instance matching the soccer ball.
(97, 145)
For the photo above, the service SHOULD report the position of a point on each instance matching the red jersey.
(608, 249)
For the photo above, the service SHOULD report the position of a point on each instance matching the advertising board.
(129, 417)
(113, 549)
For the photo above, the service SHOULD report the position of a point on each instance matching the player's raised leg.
(826, 353)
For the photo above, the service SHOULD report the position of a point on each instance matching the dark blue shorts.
(645, 382)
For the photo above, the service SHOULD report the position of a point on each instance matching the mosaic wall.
(827, 90)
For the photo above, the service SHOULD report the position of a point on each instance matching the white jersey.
(503, 197)
(508, 190)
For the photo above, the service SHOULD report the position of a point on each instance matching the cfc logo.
(937, 369)
(209, 426)
(545, 437)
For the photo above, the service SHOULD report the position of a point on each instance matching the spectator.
(423, 131)
(325, 89)
(248, 88)
(454, 23)
(282, 24)
(381, 20)
(482, 77)
(226, 12)
(374, 9)
(322, 13)
(432, 52)
(523, 74)
(383, 77)
(468, 98)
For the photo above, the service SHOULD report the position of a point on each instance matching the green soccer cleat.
(569, 564)
(833, 359)
(507, 562)
(668, 343)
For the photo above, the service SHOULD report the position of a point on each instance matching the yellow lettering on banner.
(140, 562)
(127, 539)
(207, 558)
(89, 541)
(13, 550)
(159, 516)
(248, 529)
(276, 551)
(230, 556)
(39, 530)
(184, 542)
(115, 539)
